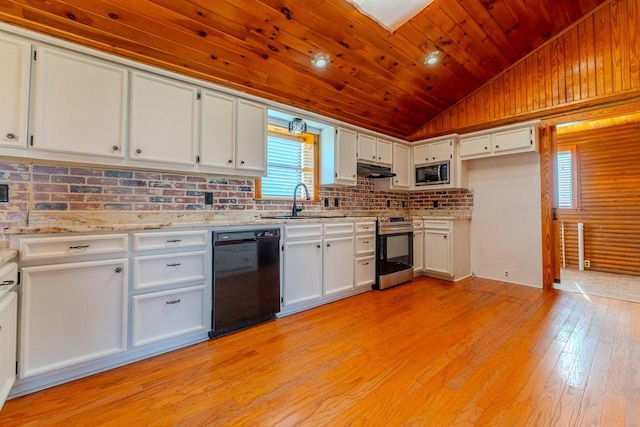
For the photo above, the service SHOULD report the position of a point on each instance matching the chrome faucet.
(296, 209)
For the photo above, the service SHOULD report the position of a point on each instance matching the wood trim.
(550, 272)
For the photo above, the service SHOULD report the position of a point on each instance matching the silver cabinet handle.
(7, 282)
(175, 301)
(79, 247)
(118, 269)
(176, 264)
(174, 241)
(10, 136)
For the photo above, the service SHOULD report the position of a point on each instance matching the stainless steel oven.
(394, 261)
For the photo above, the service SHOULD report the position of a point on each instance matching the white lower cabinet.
(365, 249)
(337, 268)
(8, 338)
(72, 313)
(319, 265)
(446, 248)
(302, 275)
(158, 316)
(418, 247)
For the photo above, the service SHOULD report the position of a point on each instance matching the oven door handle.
(395, 230)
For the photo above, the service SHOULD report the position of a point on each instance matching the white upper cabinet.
(512, 139)
(79, 104)
(14, 91)
(163, 120)
(251, 137)
(338, 157)
(434, 152)
(374, 150)
(218, 130)
(401, 167)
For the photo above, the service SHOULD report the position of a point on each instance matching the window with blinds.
(565, 179)
(291, 159)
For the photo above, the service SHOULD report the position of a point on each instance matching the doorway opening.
(598, 199)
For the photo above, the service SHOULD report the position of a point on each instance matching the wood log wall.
(608, 162)
(593, 62)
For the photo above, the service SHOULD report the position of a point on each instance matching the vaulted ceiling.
(376, 79)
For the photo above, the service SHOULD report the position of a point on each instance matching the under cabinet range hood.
(374, 171)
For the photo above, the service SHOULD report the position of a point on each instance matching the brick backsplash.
(43, 187)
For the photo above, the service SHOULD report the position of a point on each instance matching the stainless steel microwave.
(433, 174)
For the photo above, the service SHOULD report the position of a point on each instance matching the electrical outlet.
(4, 192)
(587, 263)
(208, 198)
(326, 202)
(506, 274)
(336, 202)
(388, 203)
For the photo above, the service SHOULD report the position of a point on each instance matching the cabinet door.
(513, 140)
(441, 151)
(80, 104)
(367, 148)
(302, 275)
(384, 149)
(14, 91)
(478, 146)
(8, 339)
(337, 273)
(251, 141)
(401, 166)
(418, 252)
(421, 154)
(72, 313)
(346, 162)
(218, 130)
(163, 120)
(437, 247)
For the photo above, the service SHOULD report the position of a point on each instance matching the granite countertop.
(86, 222)
(7, 255)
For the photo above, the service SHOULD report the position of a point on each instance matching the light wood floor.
(619, 286)
(427, 353)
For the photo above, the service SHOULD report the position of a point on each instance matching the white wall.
(506, 230)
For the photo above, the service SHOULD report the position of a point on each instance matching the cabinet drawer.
(159, 270)
(8, 277)
(365, 271)
(302, 231)
(365, 244)
(439, 224)
(366, 227)
(338, 228)
(53, 247)
(417, 224)
(162, 315)
(169, 239)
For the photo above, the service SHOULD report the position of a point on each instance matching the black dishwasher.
(246, 279)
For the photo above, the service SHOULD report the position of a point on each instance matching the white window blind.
(565, 180)
(290, 160)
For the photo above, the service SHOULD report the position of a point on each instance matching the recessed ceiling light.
(432, 58)
(320, 60)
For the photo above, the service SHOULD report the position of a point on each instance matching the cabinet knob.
(354, 176)
(373, 157)
(318, 246)
(115, 148)
(242, 162)
(497, 146)
(138, 151)
(486, 148)
(444, 237)
(379, 158)
(230, 161)
(328, 245)
(366, 263)
(118, 269)
(434, 157)
(10, 136)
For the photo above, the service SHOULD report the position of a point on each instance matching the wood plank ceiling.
(376, 79)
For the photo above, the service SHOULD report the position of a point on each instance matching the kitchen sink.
(300, 217)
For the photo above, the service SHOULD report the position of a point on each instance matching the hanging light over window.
(297, 126)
